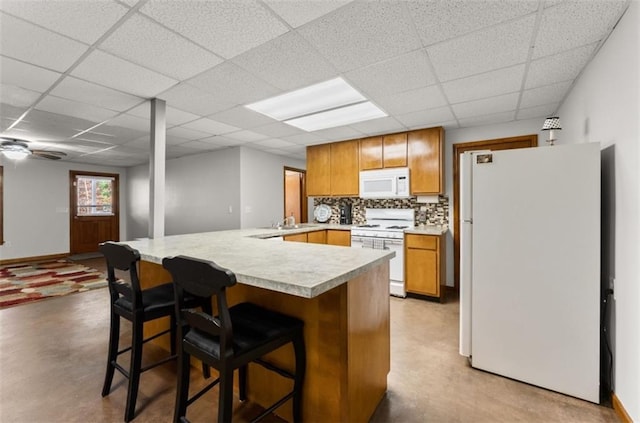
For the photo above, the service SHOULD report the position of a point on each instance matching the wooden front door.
(496, 144)
(94, 210)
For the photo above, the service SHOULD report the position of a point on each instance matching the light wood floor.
(52, 359)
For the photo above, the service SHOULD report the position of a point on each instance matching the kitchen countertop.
(428, 230)
(296, 268)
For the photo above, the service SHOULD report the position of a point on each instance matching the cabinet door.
(425, 159)
(337, 237)
(421, 272)
(371, 153)
(296, 237)
(317, 237)
(344, 168)
(394, 150)
(319, 170)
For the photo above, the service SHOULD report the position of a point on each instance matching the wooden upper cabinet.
(371, 153)
(425, 160)
(319, 170)
(394, 150)
(344, 169)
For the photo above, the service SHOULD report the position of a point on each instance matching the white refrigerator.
(530, 265)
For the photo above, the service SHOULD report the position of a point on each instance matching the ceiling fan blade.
(47, 154)
(51, 152)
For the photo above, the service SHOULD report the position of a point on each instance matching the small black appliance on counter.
(345, 214)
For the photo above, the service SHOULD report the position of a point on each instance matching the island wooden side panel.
(347, 341)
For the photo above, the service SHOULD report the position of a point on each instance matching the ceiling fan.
(17, 149)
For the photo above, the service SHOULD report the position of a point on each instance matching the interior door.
(94, 210)
(295, 196)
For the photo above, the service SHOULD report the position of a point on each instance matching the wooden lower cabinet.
(339, 237)
(317, 237)
(296, 237)
(424, 265)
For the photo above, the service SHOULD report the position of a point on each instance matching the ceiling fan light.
(16, 154)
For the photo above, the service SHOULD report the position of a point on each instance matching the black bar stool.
(231, 340)
(138, 306)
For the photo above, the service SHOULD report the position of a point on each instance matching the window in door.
(94, 195)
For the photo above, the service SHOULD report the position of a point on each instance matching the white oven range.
(384, 230)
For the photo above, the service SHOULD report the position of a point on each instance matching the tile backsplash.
(436, 213)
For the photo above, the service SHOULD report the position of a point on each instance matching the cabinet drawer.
(426, 242)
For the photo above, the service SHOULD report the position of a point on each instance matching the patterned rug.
(27, 282)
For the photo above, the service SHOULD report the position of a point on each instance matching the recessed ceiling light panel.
(312, 99)
(337, 117)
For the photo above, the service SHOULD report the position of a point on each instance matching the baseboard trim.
(619, 409)
(35, 258)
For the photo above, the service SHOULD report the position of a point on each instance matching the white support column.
(157, 168)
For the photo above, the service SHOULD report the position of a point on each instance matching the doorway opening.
(295, 194)
(94, 210)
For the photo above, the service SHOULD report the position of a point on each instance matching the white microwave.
(385, 183)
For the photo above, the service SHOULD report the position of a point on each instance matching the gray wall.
(603, 107)
(36, 206)
(262, 187)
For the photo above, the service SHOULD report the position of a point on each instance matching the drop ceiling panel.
(412, 100)
(440, 20)
(246, 136)
(230, 83)
(362, 33)
(486, 106)
(23, 75)
(16, 96)
(75, 109)
(227, 28)
(490, 49)
(488, 119)
(304, 138)
(177, 151)
(194, 100)
(173, 115)
(186, 133)
(200, 146)
(425, 118)
(53, 126)
(487, 84)
(277, 130)
(401, 73)
(129, 122)
(299, 13)
(222, 141)
(274, 143)
(337, 134)
(560, 67)
(27, 42)
(84, 21)
(110, 71)
(288, 62)
(89, 93)
(383, 125)
(572, 24)
(541, 112)
(240, 116)
(210, 127)
(148, 44)
(544, 95)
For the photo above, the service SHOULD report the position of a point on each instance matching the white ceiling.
(80, 73)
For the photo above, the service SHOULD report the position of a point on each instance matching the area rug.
(28, 282)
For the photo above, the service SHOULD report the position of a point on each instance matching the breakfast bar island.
(341, 294)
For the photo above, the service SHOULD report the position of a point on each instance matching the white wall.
(199, 192)
(262, 187)
(36, 206)
(479, 133)
(604, 106)
(201, 189)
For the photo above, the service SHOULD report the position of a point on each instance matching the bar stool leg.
(112, 355)
(225, 402)
(134, 370)
(242, 378)
(182, 391)
(301, 364)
